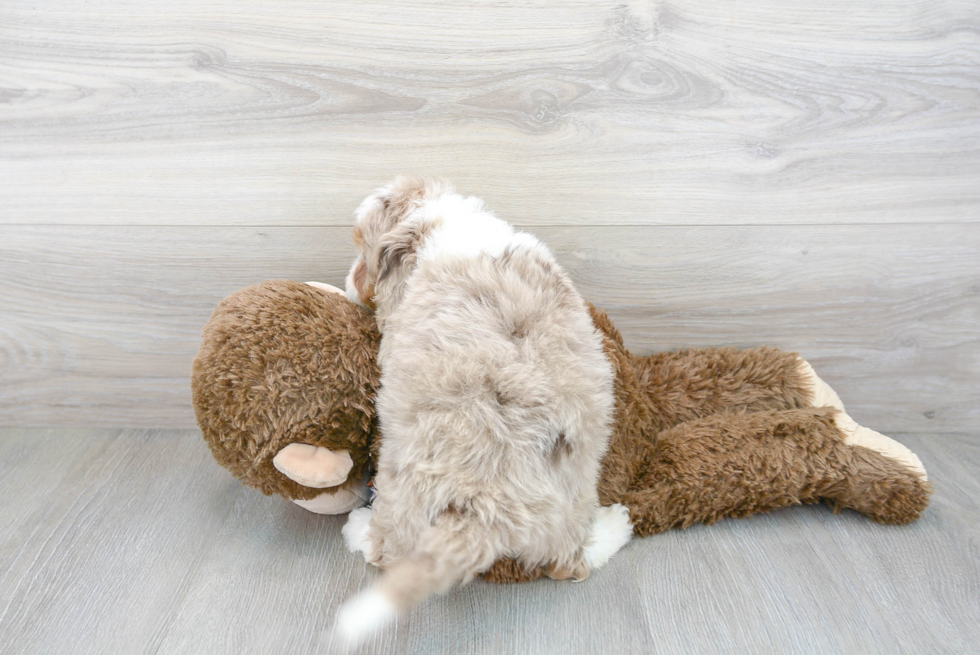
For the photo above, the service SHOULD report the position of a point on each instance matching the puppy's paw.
(575, 574)
(356, 532)
(610, 532)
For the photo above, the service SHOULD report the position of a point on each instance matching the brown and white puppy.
(496, 403)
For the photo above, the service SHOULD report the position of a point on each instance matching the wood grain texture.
(137, 542)
(692, 112)
(100, 324)
(102, 532)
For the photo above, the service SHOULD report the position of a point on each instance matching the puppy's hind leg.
(610, 532)
(356, 533)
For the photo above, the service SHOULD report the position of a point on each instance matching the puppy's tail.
(450, 553)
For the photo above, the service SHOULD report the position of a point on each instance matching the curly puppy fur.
(496, 397)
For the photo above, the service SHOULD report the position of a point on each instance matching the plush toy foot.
(883, 480)
(356, 531)
(610, 532)
(823, 395)
(858, 435)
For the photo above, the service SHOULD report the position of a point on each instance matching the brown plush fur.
(706, 434)
(283, 362)
(699, 435)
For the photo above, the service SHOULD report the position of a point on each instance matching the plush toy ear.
(313, 466)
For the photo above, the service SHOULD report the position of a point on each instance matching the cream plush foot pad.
(823, 395)
(858, 435)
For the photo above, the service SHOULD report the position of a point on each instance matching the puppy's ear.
(400, 246)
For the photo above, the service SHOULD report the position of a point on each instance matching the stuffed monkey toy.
(284, 387)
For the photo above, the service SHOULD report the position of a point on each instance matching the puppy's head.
(388, 233)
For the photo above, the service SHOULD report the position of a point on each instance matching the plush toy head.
(283, 390)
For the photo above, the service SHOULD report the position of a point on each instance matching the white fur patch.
(823, 395)
(465, 229)
(610, 532)
(356, 532)
(529, 241)
(361, 617)
(858, 435)
(371, 202)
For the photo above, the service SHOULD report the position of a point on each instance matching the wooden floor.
(135, 541)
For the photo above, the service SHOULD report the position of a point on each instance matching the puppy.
(496, 402)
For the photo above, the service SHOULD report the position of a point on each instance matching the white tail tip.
(362, 616)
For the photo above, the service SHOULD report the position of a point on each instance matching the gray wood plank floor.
(135, 541)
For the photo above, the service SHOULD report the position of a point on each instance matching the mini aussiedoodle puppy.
(496, 403)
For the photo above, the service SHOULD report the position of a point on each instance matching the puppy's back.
(495, 400)
(499, 397)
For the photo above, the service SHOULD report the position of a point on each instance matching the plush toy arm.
(744, 463)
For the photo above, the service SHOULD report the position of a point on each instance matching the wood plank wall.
(805, 175)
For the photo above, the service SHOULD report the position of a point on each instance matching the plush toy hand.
(322, 286)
